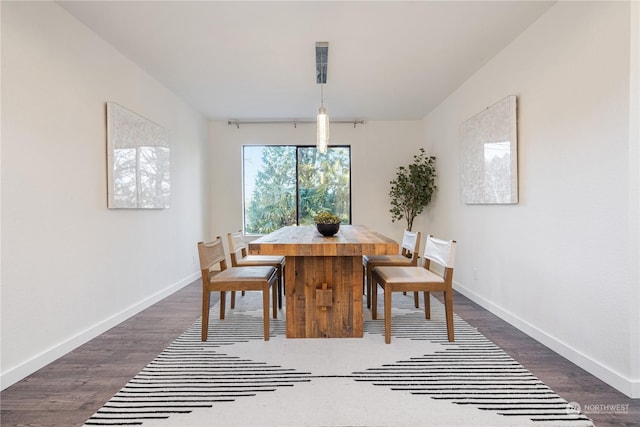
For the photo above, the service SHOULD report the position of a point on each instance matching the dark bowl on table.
(328, 230)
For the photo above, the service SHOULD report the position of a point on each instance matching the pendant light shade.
(322, 126)
(322, 130)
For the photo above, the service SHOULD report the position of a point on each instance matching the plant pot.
(328, 230)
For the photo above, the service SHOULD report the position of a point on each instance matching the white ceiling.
(391, 60)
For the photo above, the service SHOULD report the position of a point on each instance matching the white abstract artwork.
(489, 155)
(138, 170)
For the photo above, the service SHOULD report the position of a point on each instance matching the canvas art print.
(138, 161)
(489, 155)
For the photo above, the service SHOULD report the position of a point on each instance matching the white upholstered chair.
(419, 279)
(233, 279)
(408, 256)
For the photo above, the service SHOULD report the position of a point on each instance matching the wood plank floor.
(69, 390)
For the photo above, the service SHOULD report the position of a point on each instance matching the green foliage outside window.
(273, 199)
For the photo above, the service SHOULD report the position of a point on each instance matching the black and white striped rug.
(420, 379)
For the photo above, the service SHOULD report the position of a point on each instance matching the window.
(289, 185)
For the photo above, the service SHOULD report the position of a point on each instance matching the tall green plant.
(412, 188)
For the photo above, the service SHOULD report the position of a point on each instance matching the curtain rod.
(295, 123)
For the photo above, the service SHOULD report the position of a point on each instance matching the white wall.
(562, 264)
(377, 149)
(71, 268)
(634, 190)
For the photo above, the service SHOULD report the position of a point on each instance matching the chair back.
(441, 251)
(411, 245)
(236, 244)
(211, 253)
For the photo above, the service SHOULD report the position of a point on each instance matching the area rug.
(420, 379)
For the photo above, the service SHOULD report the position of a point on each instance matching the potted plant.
(327, 223)
(412, 188)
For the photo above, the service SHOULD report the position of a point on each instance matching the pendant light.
(322, 125)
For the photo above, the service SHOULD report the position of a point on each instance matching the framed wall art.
(489, 155)
(138, 161)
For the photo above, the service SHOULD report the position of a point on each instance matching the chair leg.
(415, 298)
(387, 314)
(448, 305)
(205, 314)
(364, 284)
(233, 299)
(427, 305)
(274, 297)
(265, 310)
(373, 291)
(371, 287)
(280, 284)
(223, 300)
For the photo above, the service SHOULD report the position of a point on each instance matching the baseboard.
(625, 385)
(25, 369)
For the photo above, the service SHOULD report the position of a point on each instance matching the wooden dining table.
(323, 277)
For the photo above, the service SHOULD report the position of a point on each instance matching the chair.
(415, 279)
(239, 258)
(410, 245)
(232, 279)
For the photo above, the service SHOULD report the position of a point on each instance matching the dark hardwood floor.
(69, 390)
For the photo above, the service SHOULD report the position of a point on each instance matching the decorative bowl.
(328, 230)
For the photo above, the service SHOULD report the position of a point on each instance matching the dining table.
(323, 277)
